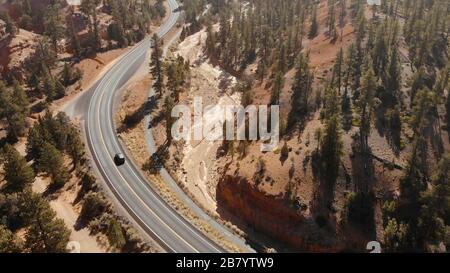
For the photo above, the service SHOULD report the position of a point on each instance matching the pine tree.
(10, 206)
(5, 100)
(380, 52)
(49, 84)
(301, 89)
(26, 22)
(72, 35)
(58, 132)
(168, 106)
(20, 98)
(210, 40)
(26, 7)
(60, 89)
(53, 25)
(66, 75)
(423, 116)
(35, 141)
(52, 163)
(338, 70)
(314, 28)
(361, 29)
(427, 207)
(75, 147)
(366, 104)
(117, 29)
(70, 75)
(261, 69)
(342, 14)
(10, 27)
(418, 81)
(156, 64)
(281, 63)
(276, 89)
(331, 20)
(433, 220)
(93, 207)
(423, 112)
(46, 234)
(89, 7)
(9, 243)
(443, 81)
(284, 151)
(392, 80)
(176, 74)
(14, 108)
(59, 128)
(16, 125)
(353, 70)
(115, 234)
(18, 174)
(331, 144)
(34, 83)
(394, 238)
(43, 58)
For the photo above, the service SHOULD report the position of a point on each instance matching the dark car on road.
(119, 159)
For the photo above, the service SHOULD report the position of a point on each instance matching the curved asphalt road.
(172, 231)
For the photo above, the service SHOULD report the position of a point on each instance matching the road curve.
(130, 187)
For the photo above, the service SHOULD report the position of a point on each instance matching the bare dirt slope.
(200, 169)
(63, 204)
(14, 51)
(92, 70)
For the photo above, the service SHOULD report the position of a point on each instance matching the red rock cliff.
(270, 215)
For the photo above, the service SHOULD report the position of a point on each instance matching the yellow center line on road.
(126, 182)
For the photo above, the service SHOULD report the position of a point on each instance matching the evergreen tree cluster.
(41, 81)
(44, 233)
(48, 141)
(14, 108)
(131, 19)
(176, 72)
(271, 32)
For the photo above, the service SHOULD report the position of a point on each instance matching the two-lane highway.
(127, 183)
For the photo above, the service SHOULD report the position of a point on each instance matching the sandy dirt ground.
(92, 69)
(64, 206)
(14, 51)
(200, 169)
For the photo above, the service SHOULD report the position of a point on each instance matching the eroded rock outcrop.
(272, 215)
